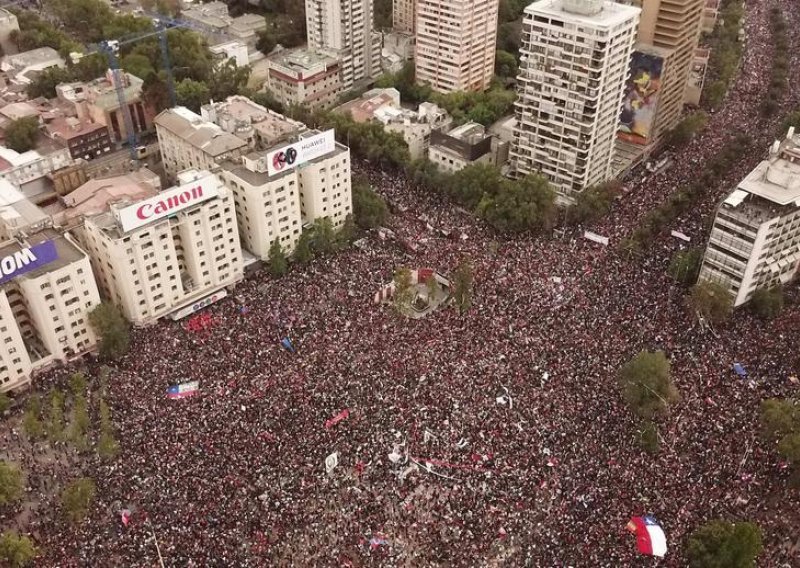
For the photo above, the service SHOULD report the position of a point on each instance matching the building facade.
(755, 239)
(302, 77)
(574, 68)
(456, 44)
(46, 294)
(187, 141)
(404, 16)
(168, 251)
(464, 145)
(343, 29)
(84, 139)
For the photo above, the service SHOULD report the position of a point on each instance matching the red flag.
(336, 419)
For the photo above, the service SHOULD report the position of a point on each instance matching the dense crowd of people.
(434, 465)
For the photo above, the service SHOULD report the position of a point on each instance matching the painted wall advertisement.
(300, 152)
(641, 98)
(26, 260)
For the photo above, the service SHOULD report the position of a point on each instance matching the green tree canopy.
(780, 424)
(192, 94)
(462, 285)
(403, 288)
(155, 92)
(469, 185)
(712, 301)
(646, 384)
(687, 129)
(505, 64)
(302, 251)
(278, 265)
(720, 544)
(10, 483)
(5, 402)
(77, 497)
(323, 237)
(523, 205)
(17, 551)
(21, 134)
(369, 208)
(594, 202)
(227, 79)
(767, 303)
(109, 323)
(685, 265)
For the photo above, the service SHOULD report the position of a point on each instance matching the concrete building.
(275, 199)
(363, 108)
(404, 16)
(303, 77)
(755, 238)
(46, 292)
(187, 141)
(253, 123)
(234, 49)
(166, 252)
(343, 29)
(462, 146)
(415, 126)
(456, 43)
(219, 27)
(710, 15)
(84, 139)
(697, 76)
(28, 167)
(659, 76)
(575, 63)
(97, 101)
(8, 25)
(20, 67)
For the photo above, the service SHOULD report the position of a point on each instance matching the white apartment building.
(575, 64)
(344, 29)
(46, 294)
(187, 141)
(276, 197)
(302, 77)
(456, 44)
(415, 127)
(168, 251)
(404, 16)
(755, 238)
(23, 168)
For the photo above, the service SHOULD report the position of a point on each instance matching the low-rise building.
(755, 239)
(710, 15)
(463, 145)
(18, 216)
(415, 127)
(280, 190)
(218, 25)
(697, 76)
(19, 110)
(303, 77)
(83, 138)
(28, 167)
(187, 141)
(22, 67)
(255, 124)
(235, 49)
(8, 25)
(166, 252)
(363, 109)
(46, 294)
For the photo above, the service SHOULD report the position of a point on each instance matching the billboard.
(198, 305)
(302, 151)
(168, 202)
(27, 259)
(640, 104)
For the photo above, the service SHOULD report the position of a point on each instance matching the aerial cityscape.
(399, 283)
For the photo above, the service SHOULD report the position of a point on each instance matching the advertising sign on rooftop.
(300, 152)
(26, 260)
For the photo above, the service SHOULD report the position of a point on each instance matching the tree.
(155, 92)
(21, 134)
(594, 202)
(30, 421)
(5, 402)
(302, 251)
(646, 384)
(77, 383)
(227, 79)
(767, 303)
(433, 286)
(17, 551)
(107, 445)
(649, 437)
(79, 423)
(278, 266)
(685, 265)
(687, 129)
(192, 94)
(266, 42)
(712, 301)
(369, 208)
(505, 64)
(720, 544)
(55, 416)
(111, 326)
(10, 483)
(77, 497)
(462, 285)
(383, 14)
(404, 290)
(324, 237)
(346, 233)
(522, 205)
(780, 425)
(138, 65)
(469, 185)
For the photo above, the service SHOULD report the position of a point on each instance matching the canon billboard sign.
(168, 203)
(300, 152)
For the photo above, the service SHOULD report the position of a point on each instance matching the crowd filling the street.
(497, 437)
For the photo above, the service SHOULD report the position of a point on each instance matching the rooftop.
(203, 135)
(363, 108)
(301, 59)
(67, 252)
(777, 179)
(15, 111)
(25, 59)
(237, 111)
(597, 13)
(16, 211)
(471, 132)
(69, 127)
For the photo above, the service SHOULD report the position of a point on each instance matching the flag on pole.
(183, 390)
(650, 538)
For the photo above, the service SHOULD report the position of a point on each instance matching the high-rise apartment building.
(660, 67)
(575, 63)
(456, 44)
(404, 15)
(344, 29)
(755, 238)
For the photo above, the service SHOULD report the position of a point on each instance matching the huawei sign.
(302, 151)
(168, 202)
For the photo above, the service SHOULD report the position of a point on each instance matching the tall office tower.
(456, 44)
(404, 15)
(575, 60)
(344, 29)
(660, 67)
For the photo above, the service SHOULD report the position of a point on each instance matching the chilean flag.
(650, 538)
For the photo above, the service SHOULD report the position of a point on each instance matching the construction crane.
(110, 48)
